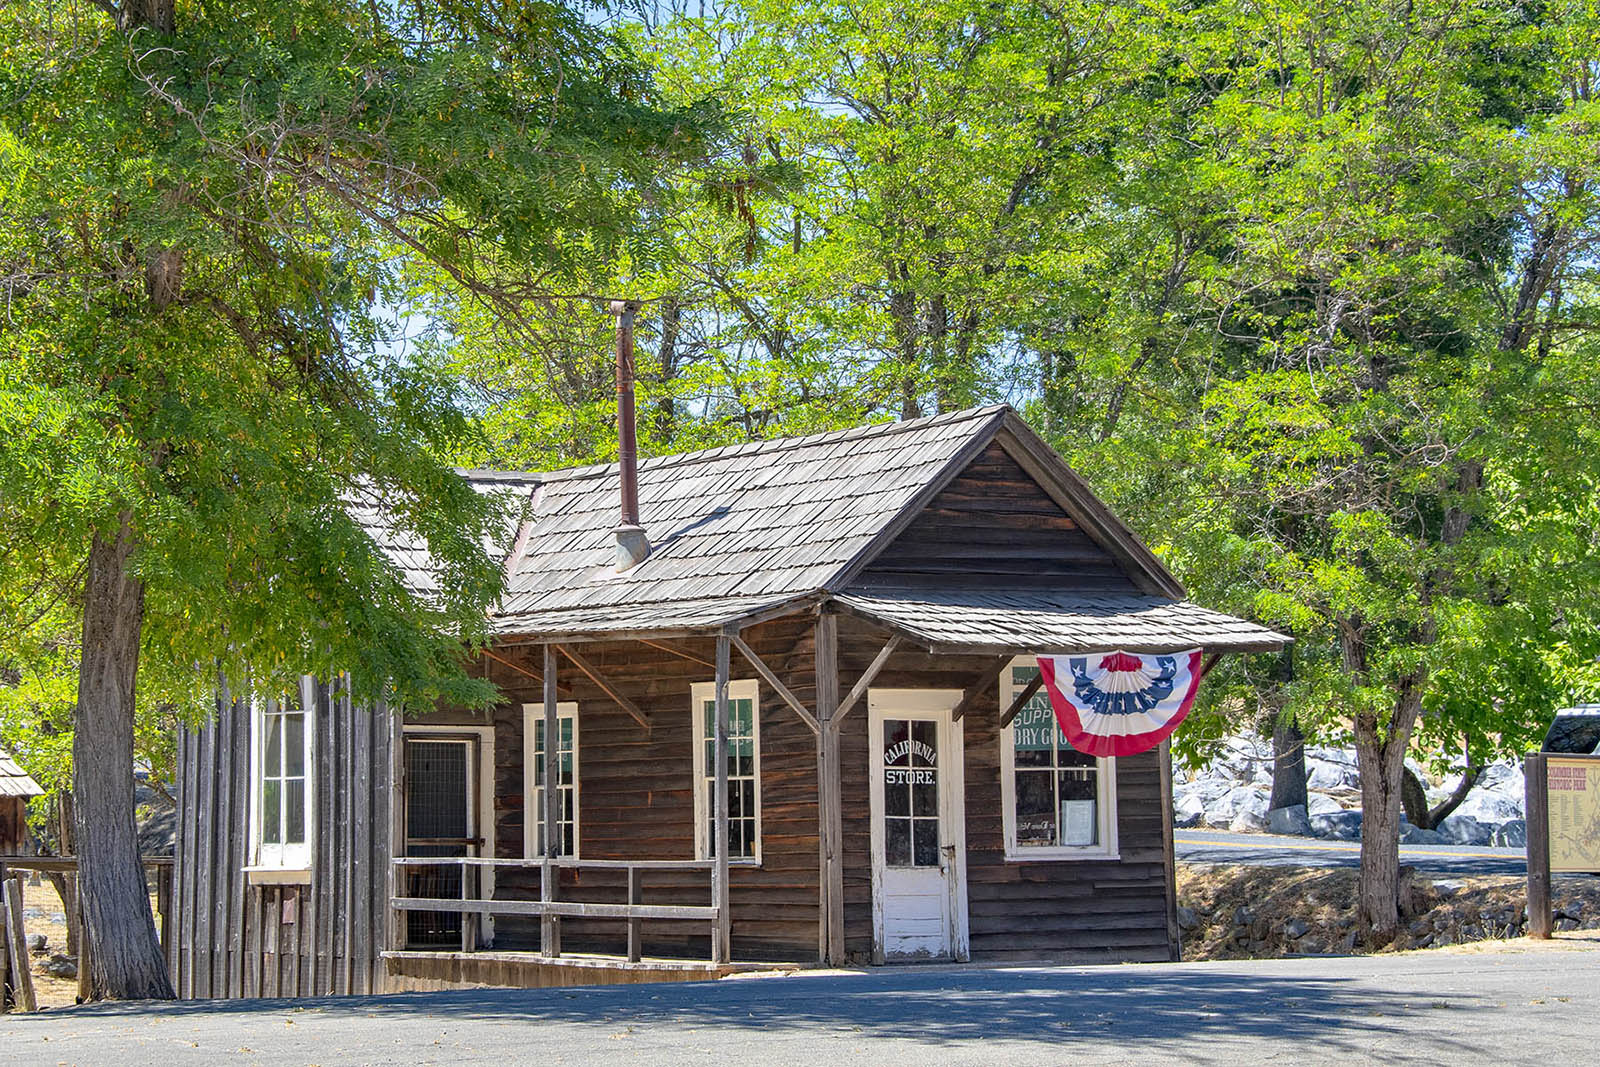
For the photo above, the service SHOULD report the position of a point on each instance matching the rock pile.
(1234, 791)
(1256, 912)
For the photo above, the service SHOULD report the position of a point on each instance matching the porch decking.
(421, 971)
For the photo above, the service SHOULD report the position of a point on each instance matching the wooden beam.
(1208, 663)
(594, 676)
(680, 653)
(1022, 698)
(549, 935)
(1536, 807)
(989, 677)
(771, 678)
(859, 690)
(721, 931)
(830, 818)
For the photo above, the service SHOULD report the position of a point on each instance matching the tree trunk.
(1288, 764)
(1382, 762)
(1414, 799)
(125, 958)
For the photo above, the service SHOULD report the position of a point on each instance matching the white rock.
(1322, 804)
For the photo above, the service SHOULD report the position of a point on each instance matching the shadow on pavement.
(1137, 1006)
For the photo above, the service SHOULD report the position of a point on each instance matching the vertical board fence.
(243, 933)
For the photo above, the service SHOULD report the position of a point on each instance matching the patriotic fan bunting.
(1118, 703)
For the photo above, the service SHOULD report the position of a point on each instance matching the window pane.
(924, 751)
(926, 842)
(295, 811)
(709, 720)
(566, 734)
(1080, 823)
(271, 816)
(897, 842)
(925, 795)
(1036, 814)
(294, 746)
(1067, 756)
(896, 749)
(273, 763)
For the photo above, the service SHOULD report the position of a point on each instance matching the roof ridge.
(781, 444)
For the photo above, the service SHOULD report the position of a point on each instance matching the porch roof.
(1021, 621)
(661, 618)
(14, 781)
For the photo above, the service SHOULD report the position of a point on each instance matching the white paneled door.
(919, 899)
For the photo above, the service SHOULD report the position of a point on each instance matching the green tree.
(209, 215)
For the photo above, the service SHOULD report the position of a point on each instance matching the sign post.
(1563, 817)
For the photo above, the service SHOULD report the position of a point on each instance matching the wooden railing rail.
(634, 912)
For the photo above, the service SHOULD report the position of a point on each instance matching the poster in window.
(1078, 822)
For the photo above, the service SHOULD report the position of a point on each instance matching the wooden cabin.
(17, 787)
(803, 729)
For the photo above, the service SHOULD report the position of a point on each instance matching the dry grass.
(43, 914)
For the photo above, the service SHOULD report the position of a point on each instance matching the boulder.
(1465, 830)
(1344, 825)
(1416, 835)
(1187, 810)
(1322, 804)
(59, 966)
(1296, 928)
(1291, 820)
(1513, 834)
(38, 944)
(1249, 820)
(1328, 774)
(1187, 919)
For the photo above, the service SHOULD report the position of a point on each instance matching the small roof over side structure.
(14, 781)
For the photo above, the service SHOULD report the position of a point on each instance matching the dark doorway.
(439, 822)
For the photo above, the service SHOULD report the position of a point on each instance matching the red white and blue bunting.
(1120, 703)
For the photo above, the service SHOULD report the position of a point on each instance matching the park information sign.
(1574, 791)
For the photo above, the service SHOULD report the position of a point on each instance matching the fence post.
(635, 893)
(17, 944)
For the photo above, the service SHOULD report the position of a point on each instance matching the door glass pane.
(897, 842)
(925, 848)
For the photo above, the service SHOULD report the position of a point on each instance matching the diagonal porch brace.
(859, 690)
(610, 690)
(990, 675)
(771, 678)
(1022, 698)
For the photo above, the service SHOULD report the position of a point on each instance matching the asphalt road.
(1269, 850)
(1519, 1005)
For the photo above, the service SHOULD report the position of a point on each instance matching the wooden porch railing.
(472, 906)
(14, 955)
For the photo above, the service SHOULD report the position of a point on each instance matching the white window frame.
(1105, 796)
(700, 694)
(282, 862)
(533, 795)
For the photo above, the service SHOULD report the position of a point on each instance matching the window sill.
(278, 875)
(753, 864)
(1064, 855)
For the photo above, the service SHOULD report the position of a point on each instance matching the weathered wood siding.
(637, 802)
(994, 525)
(232, 938)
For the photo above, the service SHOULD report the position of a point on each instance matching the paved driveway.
(1270, 850)
(1524, 1005)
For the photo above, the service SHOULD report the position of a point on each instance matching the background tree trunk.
(1382, 760)
(125, 958)
(1288, 764)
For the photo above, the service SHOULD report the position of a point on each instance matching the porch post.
(549, 930)
(830, 828)
(721, 939)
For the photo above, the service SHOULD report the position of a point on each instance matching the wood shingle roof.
(757, 529)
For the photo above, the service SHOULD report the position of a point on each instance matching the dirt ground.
(42, 914)
(1239, 912)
